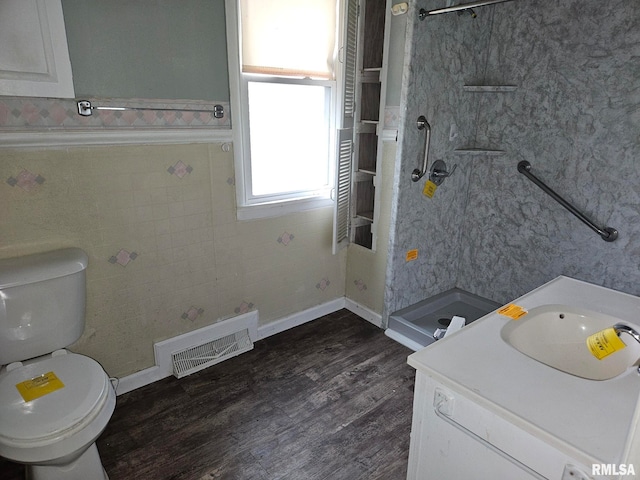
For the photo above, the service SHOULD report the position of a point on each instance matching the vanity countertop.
(590, 419)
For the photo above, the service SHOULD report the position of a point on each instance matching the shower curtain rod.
(457, 8)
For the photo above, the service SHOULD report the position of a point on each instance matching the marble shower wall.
(575, 116)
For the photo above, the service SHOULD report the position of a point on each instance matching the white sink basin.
(556, 335)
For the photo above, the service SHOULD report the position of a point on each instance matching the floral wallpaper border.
(18, 113)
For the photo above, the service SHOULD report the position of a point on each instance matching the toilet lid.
(84, 388)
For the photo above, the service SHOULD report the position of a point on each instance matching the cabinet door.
(341, 214)
(34, 59)
(344, 136)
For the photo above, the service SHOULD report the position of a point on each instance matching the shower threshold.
(415, 325)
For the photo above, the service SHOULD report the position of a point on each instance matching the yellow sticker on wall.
(39, 386)
(429, 189)
(512, 311)
(604, 343)
(411, 255)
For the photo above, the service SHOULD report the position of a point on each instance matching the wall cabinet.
(370, 92)
(34, 59)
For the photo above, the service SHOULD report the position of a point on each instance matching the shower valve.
(439, 172)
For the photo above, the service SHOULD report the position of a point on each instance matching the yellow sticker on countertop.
(513, 311)
(429, 189)
(604, 343)
(39, 386)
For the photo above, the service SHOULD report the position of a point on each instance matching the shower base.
(415, 325)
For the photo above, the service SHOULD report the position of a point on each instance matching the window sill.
(277, 209)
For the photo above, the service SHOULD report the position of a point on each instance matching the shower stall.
(498, 83)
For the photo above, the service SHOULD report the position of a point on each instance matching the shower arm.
(457, 8)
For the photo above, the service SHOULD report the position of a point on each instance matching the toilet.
(53, 403)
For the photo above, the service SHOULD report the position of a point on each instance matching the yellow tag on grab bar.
(429, 189)
(604, 343)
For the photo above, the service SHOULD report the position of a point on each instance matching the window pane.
(288, 37)
(289, 130)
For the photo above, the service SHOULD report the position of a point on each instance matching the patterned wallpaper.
(166, 253)
(19, 113)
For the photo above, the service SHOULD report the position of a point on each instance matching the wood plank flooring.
(331, 399)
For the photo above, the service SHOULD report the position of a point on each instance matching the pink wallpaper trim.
(18, 113)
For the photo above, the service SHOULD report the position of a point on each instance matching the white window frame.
(253, 207)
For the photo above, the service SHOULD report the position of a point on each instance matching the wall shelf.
(490, 88)
(370, 93)
(366, 215)
(478, 151)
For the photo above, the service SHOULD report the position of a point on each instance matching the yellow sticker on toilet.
(39, 386)
(512, 311)
(604, 343)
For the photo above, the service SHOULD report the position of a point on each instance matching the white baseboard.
(139, 379)
(155, 373)
(296, 319)
(363, 312)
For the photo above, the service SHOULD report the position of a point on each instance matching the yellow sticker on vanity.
(39, 386)
(429, 189)
(604, 343)
(411, 255)
(513, 311)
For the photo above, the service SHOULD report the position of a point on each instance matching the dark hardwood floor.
(331, 399)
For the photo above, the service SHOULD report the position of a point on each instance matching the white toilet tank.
(42, 303)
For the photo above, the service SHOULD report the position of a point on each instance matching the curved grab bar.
(422, 124)
(608, 234)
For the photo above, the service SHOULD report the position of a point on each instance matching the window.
(284, 91)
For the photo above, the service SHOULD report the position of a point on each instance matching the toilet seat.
(55, 415)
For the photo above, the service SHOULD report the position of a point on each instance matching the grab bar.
(457, 8)
(608, 234)
(422, 124)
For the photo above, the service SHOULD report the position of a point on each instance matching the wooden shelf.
(370, 90)
(370, 75)
(366, 216)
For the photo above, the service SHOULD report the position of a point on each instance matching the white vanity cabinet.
(34, 58)
(453, 437)
(483, 410)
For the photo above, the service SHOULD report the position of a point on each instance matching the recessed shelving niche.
(373, 39)
(474, 150)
